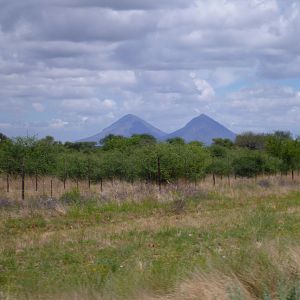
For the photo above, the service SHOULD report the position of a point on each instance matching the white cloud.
(38, 107)
(263, 108)
(5, 125)
(57, 124)
(224, 76)
(114, 77)
(88, 106)
(205, 89)
(161, 59)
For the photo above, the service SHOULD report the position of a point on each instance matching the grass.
(238, 242)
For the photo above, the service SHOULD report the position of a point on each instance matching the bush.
(72, 197)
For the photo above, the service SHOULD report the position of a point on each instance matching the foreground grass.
(205, 246)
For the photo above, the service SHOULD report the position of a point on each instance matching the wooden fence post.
(7, 182)
(158, 174)
(36, 182)
(228, 179)
(23, 181)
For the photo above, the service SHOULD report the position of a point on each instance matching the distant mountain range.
(201, 128)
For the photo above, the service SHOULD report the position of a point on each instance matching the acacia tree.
(62, 170)
(76, 167)
(282, 146)
(8, 165)
(17, 158)
(251, 141)
(44, 158)
(221, 152)
(249, 163)
(3, 137)
(196, 162)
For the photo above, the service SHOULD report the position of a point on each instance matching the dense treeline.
(142, 157)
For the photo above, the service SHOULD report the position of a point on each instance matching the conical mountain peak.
(203, 128)
(202, 119)
(127, 126)
(130, 117)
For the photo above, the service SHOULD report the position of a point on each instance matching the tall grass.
(120, 190)
(131, 242)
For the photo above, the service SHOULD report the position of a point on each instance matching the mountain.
(201, 128)
(204, 129)
(126, 126)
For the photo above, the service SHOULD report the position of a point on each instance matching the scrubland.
(130, 241)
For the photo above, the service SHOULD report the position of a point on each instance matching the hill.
(127, 126)
(202, 128)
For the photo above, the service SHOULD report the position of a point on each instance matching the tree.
(248, 163)
(112, 142)
(226, 143)
(218, 151)
(142, 140)
(176, 141)
(3, 137)
(285, 135)
(17, 158)
(43, 160)
(7, 163)
(251, 140)
(283, 147)
(81, 146)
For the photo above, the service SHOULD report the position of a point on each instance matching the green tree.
(226, 143)
(3, 137)
(251, 140)
(176, 141)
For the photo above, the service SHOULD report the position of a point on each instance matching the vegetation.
(198, 242)
(142, 158)
(136, 218)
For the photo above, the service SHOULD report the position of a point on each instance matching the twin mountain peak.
(201, 128)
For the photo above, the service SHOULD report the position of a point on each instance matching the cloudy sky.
(69, 68)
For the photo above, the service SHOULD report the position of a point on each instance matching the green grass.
(120, 250)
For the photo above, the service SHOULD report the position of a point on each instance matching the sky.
(69, 68)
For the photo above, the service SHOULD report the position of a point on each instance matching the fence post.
(36, 181)
(7, 183)
(51, 189)
(23, 181)
(228, 179)
(101, 185)
(158, 174)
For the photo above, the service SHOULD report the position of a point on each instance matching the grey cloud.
(263, 108)
(132, 4)
(75, 23)
(58, 55)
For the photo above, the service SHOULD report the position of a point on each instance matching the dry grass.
(213, 285)
(238, 188)
(131, 242)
